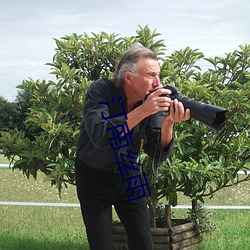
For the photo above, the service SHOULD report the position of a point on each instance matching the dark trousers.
(97, 192)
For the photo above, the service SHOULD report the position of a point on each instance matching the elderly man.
(116, 117)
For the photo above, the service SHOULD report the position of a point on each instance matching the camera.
(211, 115)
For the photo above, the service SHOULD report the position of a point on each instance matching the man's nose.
(157, 82)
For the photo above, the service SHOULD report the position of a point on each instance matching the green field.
(52, 228)
(3, 159)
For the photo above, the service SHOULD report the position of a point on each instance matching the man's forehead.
(148, 64)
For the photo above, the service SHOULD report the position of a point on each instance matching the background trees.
(12, 114)
(6, 108)
(203, 161)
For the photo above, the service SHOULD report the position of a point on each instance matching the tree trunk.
(152, 212)
(168, 216)
(194, 205)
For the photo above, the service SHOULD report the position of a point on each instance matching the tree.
(13, 114)
(23, 104)
(203, 161)
(10, 115)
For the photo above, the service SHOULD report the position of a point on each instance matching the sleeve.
(153, 146)
(93, 112)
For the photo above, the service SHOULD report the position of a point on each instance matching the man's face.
(147, 78)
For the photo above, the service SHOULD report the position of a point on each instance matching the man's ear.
(128, 78)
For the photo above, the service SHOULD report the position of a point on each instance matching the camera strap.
(156, 158)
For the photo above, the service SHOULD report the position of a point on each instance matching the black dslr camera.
(208, 114)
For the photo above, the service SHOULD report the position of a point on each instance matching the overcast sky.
(27, 29)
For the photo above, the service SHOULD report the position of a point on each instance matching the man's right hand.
(155, 102)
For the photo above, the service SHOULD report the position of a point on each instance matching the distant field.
(236, 195)
(3, 159)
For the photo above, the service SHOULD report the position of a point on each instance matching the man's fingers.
(178, 112)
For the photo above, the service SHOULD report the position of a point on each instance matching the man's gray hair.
(129, 61)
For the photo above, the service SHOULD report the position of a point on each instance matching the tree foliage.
(11, 115)
(48, 142)
(203, 160)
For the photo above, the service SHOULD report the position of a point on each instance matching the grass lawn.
(233, 231)
(3, 159)
(61, 228)
(35, 228)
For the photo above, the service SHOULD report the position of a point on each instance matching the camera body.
(174, 92)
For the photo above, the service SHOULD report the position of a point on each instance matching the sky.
(28, 27)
